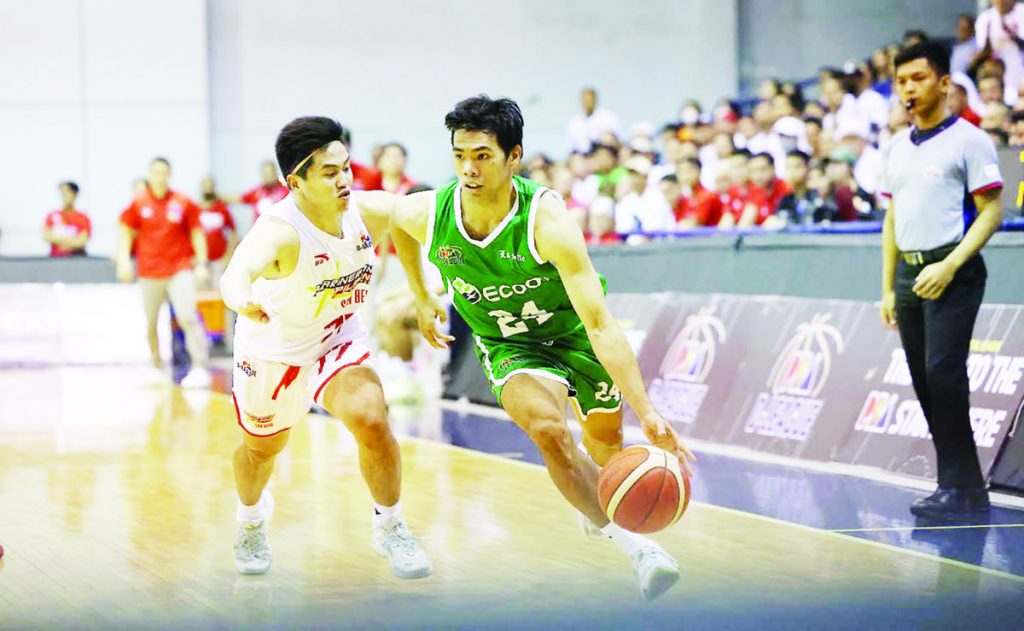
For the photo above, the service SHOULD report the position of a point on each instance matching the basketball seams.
(627, 483)
(661, 485)
(684, 489)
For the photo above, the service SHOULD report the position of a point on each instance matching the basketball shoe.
(392, 539)
(655, 570)
(252, 549)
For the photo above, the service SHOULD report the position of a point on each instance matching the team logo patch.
(364, 242)
(932, 172)
(320, 259)
(467, 291)
(245, 367)
(146, 212)
(260, 422)
(449, 255)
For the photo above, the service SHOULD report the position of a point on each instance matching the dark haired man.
(67, 229)
(942, 177)
(517, 268)
(298, 278)
(162, 228)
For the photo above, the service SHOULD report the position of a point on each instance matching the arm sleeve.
(49, 221)
(981, 164)
(250, 197)
(229, 221)
(130, 217)
(981, 29)
(192, 212)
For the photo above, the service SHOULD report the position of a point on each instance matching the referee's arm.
(889, 255)
(932, 280)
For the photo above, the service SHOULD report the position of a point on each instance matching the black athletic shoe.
(952, 502)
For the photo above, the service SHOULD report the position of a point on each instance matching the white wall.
(391, 70)
(90, 90)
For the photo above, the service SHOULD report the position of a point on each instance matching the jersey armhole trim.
(431, 222)
(531, 224)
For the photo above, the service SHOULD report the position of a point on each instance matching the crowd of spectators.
(796, 155)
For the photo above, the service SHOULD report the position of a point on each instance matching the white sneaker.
(392, 539)
(655, 570)
(590, 529)
(197, 377)
(252, 549)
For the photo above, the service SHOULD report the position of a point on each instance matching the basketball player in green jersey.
(517, 268)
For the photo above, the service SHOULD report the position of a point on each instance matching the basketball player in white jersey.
(297, 278)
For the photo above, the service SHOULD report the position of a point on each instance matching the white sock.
(383, 513)
(629, 542)
(256, 512)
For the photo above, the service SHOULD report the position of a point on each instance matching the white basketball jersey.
(313, 309)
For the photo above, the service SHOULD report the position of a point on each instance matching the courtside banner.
(816, 379)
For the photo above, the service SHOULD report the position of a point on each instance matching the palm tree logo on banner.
(804, 365)
(692, 353)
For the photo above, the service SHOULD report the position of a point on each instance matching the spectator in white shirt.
(966, 46)
(592, 123)
(636, 212)
(854, 134)
(1000, 29)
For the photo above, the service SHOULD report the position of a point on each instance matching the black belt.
(927, 257)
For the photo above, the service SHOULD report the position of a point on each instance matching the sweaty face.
(480, 164)
(328, 181)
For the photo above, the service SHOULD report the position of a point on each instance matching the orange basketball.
(643, 489)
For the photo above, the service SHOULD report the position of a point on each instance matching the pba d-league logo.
(679, 389)
(792, 405)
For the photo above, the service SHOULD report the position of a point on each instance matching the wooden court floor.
(117, 511)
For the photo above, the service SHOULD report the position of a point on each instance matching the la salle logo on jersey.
(449, 255)
(364, 242)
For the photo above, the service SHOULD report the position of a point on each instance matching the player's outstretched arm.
(375, 207)
(271, 248)
(409, 222)
(560, 241)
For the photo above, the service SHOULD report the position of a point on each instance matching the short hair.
(420, 187)
(1017, 116)
(501, 117)
(743, 153)
(161, 159)
(690, 160)
(671, 177)
(301, 138)
(396, 145)
(1000, 136)
(813, 120)
(934, 53)
(766, 156)
(69, 184)
(597, 146)
(916, 32)
(804, 157)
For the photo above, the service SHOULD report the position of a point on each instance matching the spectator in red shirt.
(766, 191)
(391, 165)
(262, 197)
(165, 226)
(697, 206)
(956, 103)
(736, 179)
(67, 230)
(219, 226)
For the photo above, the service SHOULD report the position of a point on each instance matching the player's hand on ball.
(888, 309)
(661, 434)
(254, 312)
(933, 280)
(429, 311)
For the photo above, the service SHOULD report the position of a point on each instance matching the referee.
(942, 179)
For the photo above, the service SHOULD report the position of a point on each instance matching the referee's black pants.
(936, 336)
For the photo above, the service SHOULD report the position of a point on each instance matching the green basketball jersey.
(499, 284)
